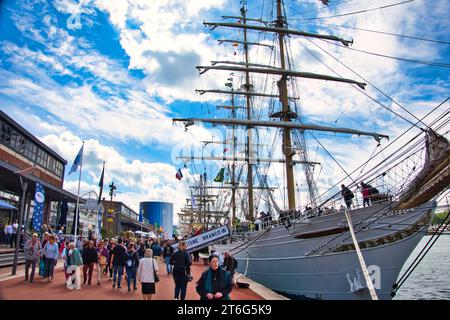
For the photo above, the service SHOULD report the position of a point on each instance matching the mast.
(249, 150)
(233, 167)
(285, 116)
(282, 85)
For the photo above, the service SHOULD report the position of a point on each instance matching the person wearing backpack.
(215, 283)
(348, 196)
(131, 266)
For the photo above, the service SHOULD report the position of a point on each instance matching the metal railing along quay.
(6, 259)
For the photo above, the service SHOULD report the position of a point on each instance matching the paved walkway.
(14, 288)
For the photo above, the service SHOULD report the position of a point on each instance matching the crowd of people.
(8, 233)
(136, 259)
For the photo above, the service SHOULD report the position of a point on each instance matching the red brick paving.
(18, 289)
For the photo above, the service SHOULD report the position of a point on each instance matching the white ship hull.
(289, 265)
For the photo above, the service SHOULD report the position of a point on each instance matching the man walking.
(118, 259)
(32, 250)
(90, 258)
(167, 253)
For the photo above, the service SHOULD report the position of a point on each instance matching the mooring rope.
(369, 282)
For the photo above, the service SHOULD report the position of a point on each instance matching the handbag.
(154, 272)
(41, 268)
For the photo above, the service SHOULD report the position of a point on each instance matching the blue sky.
(116, 77)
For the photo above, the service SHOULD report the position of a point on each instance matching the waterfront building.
(24, 155)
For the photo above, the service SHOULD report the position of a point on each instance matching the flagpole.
(78, 195)
(99, 201)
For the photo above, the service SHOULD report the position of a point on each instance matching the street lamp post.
(112, 188)
(24, 186)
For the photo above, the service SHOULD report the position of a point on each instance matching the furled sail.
(434, 176)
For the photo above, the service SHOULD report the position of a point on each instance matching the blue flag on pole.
(77, 161)
(38, 210)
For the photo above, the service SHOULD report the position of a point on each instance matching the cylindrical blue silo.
(158, 212)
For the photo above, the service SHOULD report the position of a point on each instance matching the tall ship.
(348, 240)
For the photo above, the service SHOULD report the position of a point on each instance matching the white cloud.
(136, 180)
(165, 39)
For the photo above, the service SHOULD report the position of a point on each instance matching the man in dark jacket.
(167, 253)
(215, 283)
(118, 259)
(181, 262)
(90, 258)
(229, 263)
(157, 250)
(348, 196)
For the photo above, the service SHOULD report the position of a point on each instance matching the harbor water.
(430, 280)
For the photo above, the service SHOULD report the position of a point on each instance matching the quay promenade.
(15, 288)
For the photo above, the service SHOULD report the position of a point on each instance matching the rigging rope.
(379, 90)
(355, 12)
(423, 118)
(384, 33)
(428, 63)
(320, 9)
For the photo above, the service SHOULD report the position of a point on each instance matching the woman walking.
(146, 274)
(73, 261)
(103, 255)
(45, 237)
(132, 265)
(181, 262)
(64, 254)
(50, 252)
